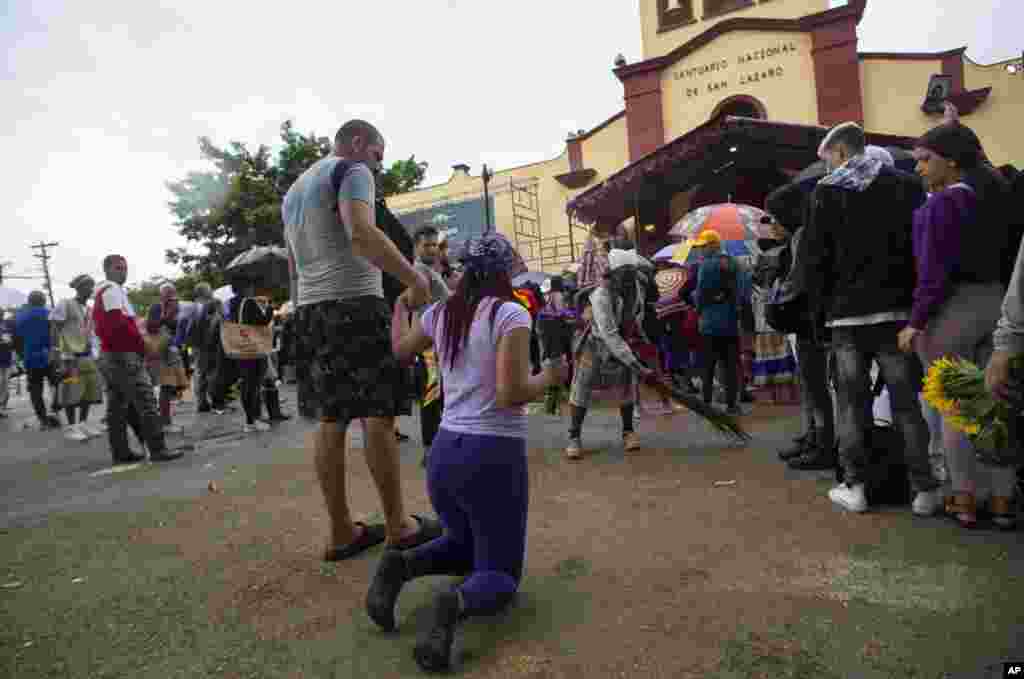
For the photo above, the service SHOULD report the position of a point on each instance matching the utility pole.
(44, 256)
(486, 175)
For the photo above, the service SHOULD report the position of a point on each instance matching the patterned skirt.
(774, 362)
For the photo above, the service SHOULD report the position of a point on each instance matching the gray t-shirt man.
(439, 291)
(320, 243)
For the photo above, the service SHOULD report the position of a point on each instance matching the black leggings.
(722, 349)
(36, 379)
(252, 384)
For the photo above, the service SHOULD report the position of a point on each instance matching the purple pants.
(479, 487)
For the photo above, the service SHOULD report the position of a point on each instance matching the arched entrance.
(740, 105)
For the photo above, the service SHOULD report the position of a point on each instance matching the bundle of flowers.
(956, 388)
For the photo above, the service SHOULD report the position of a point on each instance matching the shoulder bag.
(242, 341)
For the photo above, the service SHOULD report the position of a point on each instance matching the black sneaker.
(815, 459)
(131, 458)
(204, 408)
(166, 455)
(383, 594)
(433, 653)
(799, 447)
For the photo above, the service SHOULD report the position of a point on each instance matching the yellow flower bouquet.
(956, 388)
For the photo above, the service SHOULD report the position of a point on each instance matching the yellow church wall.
(607, 149)
(545, 245)
(997, 121)
(656, 44)
(780, 75)
(894, 91)
(893, 94)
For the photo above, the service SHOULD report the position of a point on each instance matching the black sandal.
(370, 537)
(429, 530)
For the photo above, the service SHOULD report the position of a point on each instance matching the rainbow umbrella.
(735, 223)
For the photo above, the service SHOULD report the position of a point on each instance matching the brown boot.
(1003, 514)
(964, 508)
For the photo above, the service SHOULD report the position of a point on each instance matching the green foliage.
(237, 205)
(403, 176)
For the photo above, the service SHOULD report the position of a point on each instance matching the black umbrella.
(816, 170)
(266, 265)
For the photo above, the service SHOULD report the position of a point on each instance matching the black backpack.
(887, 477)
(786, 309)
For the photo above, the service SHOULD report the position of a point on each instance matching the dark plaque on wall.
(939, 89)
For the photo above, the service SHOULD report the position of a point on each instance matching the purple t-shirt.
(471, 386)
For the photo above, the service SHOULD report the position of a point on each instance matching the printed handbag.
(243, 342)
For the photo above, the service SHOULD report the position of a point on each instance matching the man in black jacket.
(857, 259)
(815, 448)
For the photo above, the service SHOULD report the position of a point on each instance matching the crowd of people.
(94, 342)
(877, 269)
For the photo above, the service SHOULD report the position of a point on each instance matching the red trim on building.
(855, 8)
(953, 65)
(967, 102)
(837, 70)
(575, 147)
(834, 52)
(644, 117)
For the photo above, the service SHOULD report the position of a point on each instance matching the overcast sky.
(104, 101)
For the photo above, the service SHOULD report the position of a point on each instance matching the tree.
(403, 176)
(237, 205)
(146, 294)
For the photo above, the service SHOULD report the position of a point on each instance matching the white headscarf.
(617, 258)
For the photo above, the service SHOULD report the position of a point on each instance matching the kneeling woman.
(476, 470)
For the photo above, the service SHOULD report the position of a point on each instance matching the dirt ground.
(639, 567)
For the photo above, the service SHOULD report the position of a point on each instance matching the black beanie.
(786, 204)
(955, 142)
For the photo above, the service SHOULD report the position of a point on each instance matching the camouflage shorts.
(343, 354)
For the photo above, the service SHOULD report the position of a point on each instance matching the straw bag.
(242, 342)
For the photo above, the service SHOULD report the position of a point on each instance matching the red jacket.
(115, 321)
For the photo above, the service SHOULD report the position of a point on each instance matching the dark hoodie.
(856, 254)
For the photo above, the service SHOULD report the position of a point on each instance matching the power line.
(4, 266)
(44, 256)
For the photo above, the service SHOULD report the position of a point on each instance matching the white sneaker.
(850, 498)
(73, 433)
(261, 426)
(926, 503)
(248, 428)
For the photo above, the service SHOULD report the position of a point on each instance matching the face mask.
(428, 259)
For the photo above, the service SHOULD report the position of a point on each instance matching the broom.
(721, 422)
(727, 425)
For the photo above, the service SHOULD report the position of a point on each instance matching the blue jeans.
(479, 487)
(855, 348)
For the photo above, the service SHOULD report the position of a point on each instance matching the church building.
(730, 100)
